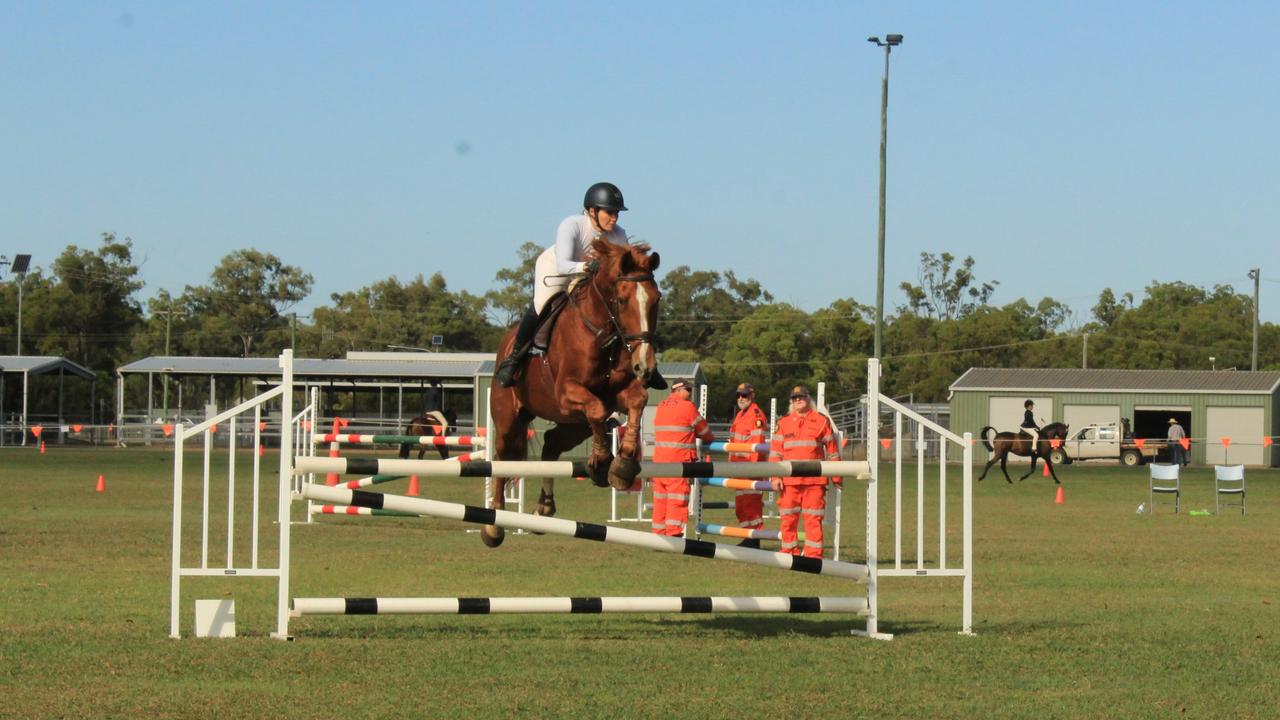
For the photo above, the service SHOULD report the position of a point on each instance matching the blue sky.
(1067, 147)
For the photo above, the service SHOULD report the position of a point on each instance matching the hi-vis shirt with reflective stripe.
(676, 427)
(748, 427)
(804, 437)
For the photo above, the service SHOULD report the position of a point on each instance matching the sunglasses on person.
(799, 397)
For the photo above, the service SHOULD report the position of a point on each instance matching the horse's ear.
(654, 259)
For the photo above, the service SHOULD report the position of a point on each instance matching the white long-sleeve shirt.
(573, 239)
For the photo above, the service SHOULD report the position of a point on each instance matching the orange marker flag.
(1185, 443)
(168, 431)
(1140, 442)
(1226, 441)
(1266, 441)
(886, 442)
(36, 430)
(306, 425)
(77, 428)
(1055, 443)
(262, 425)
(213, 428)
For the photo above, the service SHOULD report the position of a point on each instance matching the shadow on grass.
(595, 627)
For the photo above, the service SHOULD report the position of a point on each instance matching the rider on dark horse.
(568, 257)
(1029, 425)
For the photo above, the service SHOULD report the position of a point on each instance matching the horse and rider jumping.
(599, 360)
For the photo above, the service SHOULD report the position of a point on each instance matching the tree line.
(86, 306)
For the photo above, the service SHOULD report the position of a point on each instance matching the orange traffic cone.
(1046, 469)
(41, 447)
(1058, 500)
(262, 450)
(102, 484)
(413, 485)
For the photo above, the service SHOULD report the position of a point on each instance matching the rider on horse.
(1029, 425)
(570, 256)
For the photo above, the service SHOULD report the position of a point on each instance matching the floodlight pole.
(889, 42)
(20, 279)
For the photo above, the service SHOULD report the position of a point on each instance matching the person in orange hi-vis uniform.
(748, 426)
(676, 426)
(803, 434)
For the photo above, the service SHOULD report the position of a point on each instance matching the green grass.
(1082, 610)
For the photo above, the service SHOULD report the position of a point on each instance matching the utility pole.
(293, 331)
(1256, 274)
(168, 326)
(1084, 360)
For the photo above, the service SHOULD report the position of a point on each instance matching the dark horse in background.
(434, 423)
(1020, 444)
(599, 360)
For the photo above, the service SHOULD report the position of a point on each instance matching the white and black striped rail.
(577, 468)
(574, 605)
(585, 531)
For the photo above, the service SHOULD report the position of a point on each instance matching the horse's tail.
(983, 434)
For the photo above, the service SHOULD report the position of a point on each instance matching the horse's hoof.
(599, 473)
(492, 539)
(546, 505)
(623, 472)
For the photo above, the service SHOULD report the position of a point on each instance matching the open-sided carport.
(23, 368)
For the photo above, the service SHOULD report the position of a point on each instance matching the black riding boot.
(506, 374)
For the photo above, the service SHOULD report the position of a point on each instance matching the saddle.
(546, 321)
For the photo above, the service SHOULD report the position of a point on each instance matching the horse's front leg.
(626, 466)
(576, 398)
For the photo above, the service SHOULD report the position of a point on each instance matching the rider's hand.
(591, 266)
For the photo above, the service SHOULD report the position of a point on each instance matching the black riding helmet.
(605, 196)
(1028, 404)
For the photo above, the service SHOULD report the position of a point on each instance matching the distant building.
(1209, 405)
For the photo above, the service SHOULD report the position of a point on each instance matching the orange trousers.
(670, 506)
(809, 501)
(749, 507)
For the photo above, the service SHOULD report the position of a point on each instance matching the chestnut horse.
(598, 361)
(432, 424)
(1020, 444)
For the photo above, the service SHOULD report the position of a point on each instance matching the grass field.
(1082, 610)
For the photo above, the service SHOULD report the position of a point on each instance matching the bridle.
(614, 333)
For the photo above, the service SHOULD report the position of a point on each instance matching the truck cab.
(1103, 441)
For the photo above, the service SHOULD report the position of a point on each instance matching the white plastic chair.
(1164, 479)
(1228, 480)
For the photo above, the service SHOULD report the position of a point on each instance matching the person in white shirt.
(569, 256)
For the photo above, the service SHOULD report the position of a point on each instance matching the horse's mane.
(1060, 426)
(618, 260)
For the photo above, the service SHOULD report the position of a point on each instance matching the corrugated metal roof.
(688, 370)
(1068, 379)
(440, 365)
(42, 364)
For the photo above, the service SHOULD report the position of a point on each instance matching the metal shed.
(373, 387)
(14, 415)
(1210, 405)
